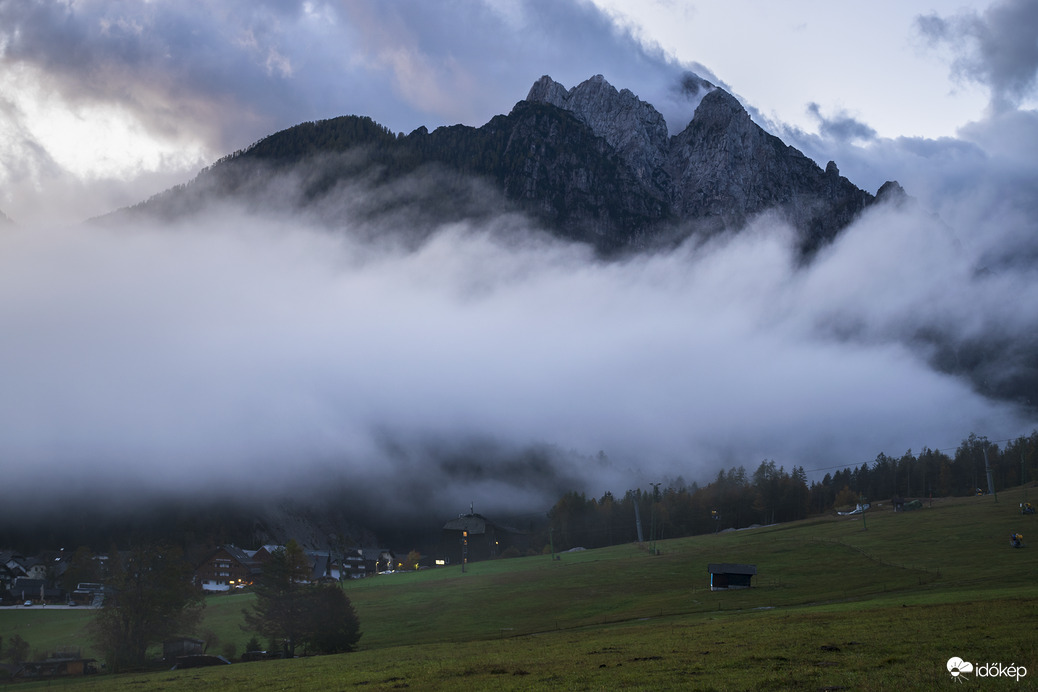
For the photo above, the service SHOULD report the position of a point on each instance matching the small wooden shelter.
(181, 646)
(727, 575)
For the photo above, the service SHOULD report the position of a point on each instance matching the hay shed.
(728, 575)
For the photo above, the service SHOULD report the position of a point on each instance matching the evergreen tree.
(332, 625)
(291, 610)
(279, 613)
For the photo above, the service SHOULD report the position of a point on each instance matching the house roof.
(730, 568)
(238, 554)
(320, 565)
(473, 523)
(32, 587)
(477, 524)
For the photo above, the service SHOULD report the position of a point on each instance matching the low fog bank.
(487, 364)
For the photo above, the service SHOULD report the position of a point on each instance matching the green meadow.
(873, 602)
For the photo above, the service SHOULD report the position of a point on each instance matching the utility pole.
(652, 522)
(987, 470)
(652, 528)
(1023, 472)
(638, 522)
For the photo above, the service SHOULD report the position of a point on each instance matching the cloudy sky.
(229, 349)
(102, 103)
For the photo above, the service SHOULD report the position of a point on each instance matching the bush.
(846, 498)
(334, 624)
(253, 644)
(16, 650)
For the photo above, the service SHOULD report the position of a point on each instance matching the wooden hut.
(727, 575)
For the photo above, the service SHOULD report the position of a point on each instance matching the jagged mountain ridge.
(722, 168)
(591, 164)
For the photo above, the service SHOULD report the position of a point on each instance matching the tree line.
(770, 494)
(152, 596)
(933, 473)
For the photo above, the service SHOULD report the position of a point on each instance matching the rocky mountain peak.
(891, 193)
(724, 169)
(547, 90)
(719, 108)
(591, 163)
(634, 128)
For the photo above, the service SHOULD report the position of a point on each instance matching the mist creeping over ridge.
(244, 352)
(489, 364)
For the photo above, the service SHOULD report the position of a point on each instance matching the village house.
(324, 567)
(39, 577)
(226, 568)
(7, 577)
(364, 562)
(230, 567)
(36, 590)
(473, 537)
(12, 562)
(355, 566)
(35, 568)
(88, 593)
(265, 551)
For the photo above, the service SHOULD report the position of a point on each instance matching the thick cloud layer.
(489, 365)
(270, 356)
(169, 86)
(997, 48)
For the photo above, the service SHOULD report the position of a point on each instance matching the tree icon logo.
(956, 666)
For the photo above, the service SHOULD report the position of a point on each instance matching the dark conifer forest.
(738, 498)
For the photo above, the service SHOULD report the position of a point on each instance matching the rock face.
(629, 125)
(892, 192)
(591, 164)
(721, 170)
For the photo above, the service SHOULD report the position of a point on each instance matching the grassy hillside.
(861, 603)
